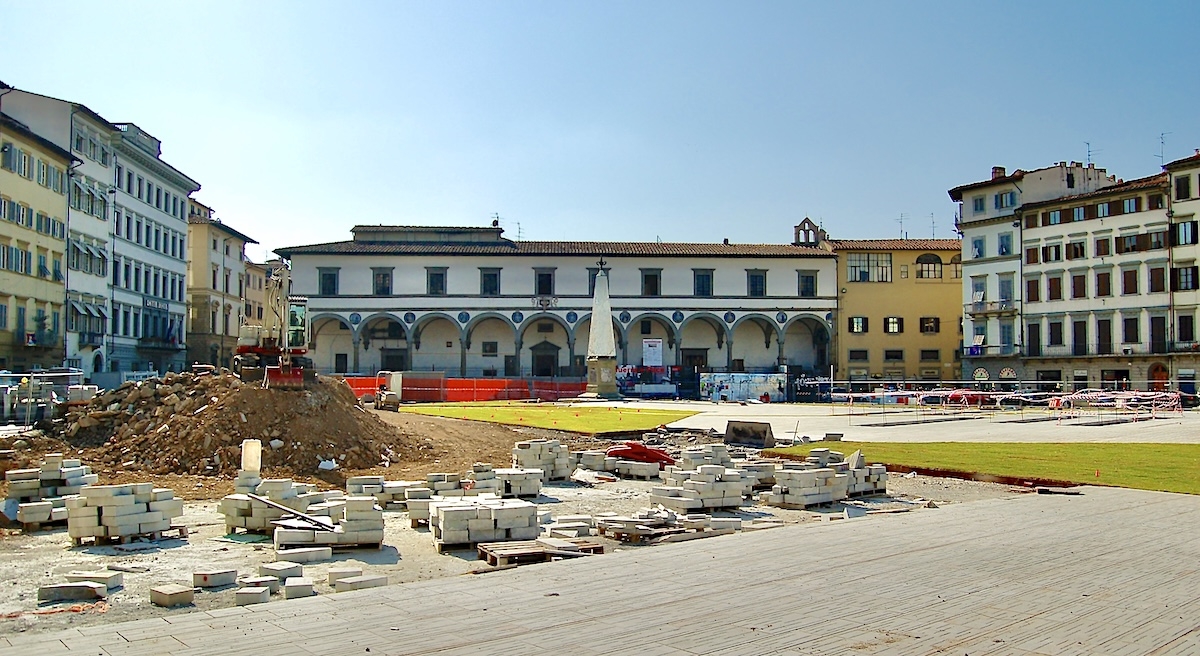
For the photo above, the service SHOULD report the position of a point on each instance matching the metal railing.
(985, 307)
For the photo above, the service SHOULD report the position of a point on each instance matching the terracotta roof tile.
(527, 248)
(956, 194)
(896, 244)
(1186, 161)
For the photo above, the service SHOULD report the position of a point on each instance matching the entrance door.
(1033, 335)
(393, 359)
(1079, 338)
(545, 360)
(1158, 334)
(694, 361)
(339, 363)
(1158, 377)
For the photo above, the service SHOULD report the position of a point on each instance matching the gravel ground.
(27, 561)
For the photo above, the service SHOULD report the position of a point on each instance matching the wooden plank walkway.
(1109, 572)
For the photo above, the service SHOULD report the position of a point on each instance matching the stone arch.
(362, 325)
(542, 316)
(618, 333)
(529, 352)
(633, 348)
(483, 316)
(814, 355)
(423, 322)
(718, 324)
(747, 349)
(764, 322)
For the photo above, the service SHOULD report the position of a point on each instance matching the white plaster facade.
(398, 298)
(90, 137)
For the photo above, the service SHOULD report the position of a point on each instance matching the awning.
(91, 309)
(94, 251)
(103, 311)
(78, 307)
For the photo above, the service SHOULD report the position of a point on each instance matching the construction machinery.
(274, 351)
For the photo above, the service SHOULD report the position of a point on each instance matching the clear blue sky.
(685, 121)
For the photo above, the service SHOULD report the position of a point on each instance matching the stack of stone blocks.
(550, 456)
(635, 469)
(707, 486)
(41, 493)
(482, 518)
(593, 461)
(824, 477)
(108, 511)
(385, 492)
(358, 521)
(519, 482)
(241, 511)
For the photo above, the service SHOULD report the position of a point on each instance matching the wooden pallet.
(31, 527)
(340, 546)
(414, 523)
(181, 532)
(443, 547)
(501, 554)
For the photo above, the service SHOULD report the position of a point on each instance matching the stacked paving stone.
(594, 461)
(707, 454)
(824, 477)
(483, 518)
(417, 500)
(41, 493)
(384, 491)
(518, 482)
(550, 456)
(708, 486)
(660, 523)
(110, 511)
(484, 479)
(243, 512)
(635, 469)
(358, 523)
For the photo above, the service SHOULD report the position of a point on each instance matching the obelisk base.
(602, 377)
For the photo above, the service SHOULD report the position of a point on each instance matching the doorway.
(393, 359)
(545, 359)
(1158, 376)
(694, 361)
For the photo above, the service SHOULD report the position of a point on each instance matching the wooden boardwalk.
(1109, 572)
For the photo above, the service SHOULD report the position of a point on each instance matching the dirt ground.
(30, 560)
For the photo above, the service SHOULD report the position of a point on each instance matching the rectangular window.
(1187, 328)
(1129, 330)
(893, 355)
(1127, 244)
(489, 282)
(1006, 286)
(977, 205)
(1129, 205)
(1032, 290)
(930, 355)
(1185, 233)
(1158, 240)
(328, 279)
(651, 282)
(381, 279)
(1077, 214)
(1183, 187)
(931, 325)
(756, 283)
(1053, 288)
(543, 282)
(1056, 333)
(808, 284)
(1158, 279)
(977, 247)
(435, 281)
(1031, 221)
(1052, 253)
(858, 325)
(1004, 200)
(491, 349)
(545, 327)
(1129, 281)
(1005, 246)
(1184, 278)
(869, 267)
(702, 282)
(1076, 250)
(893, 325)
(1103, 247)
(857, 355)
(1102, 210)
(1078, 285)
(1054, 217)
(1031, 256)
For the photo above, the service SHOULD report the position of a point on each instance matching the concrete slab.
(72, 591)
(171, 594)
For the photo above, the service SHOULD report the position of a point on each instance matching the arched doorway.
(384, 342)
(1158, 375)
(545, 336)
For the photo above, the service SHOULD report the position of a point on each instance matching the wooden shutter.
(900, 324)
(937, 324)
(1174, 280)
(1089, 211)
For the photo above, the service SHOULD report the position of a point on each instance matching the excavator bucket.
(289, 377)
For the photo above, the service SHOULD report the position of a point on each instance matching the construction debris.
(40, 494)
(358, 522)
(663, 525)
(185, 423)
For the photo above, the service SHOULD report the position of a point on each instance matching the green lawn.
(1166, 467)
(589, 420)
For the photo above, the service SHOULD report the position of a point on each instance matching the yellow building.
(33, 185)
(216, 286)
(899, 309)
(256, 278)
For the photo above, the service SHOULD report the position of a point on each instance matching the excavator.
(273, 352)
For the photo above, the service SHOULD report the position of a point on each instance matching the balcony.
(998, 308)
(993, 351)
(1105, 349)
(159, 344)
(91, 339)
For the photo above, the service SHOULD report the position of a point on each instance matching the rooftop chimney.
(726, 242)
(997, 172)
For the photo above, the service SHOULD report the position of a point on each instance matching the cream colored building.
(216, 286)
(256, 279)
(899, 310)
(33, 202)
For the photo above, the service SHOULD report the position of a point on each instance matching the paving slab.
(1108, 572)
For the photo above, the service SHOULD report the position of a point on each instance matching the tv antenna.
(496, 220)
(1088, 159)
(932, 226)
(1162, 147)
(900, 220)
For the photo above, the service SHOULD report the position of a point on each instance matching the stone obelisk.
(602, 344)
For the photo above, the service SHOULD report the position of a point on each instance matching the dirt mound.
(195, 424)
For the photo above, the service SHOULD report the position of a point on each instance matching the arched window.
(956, 266)
(929, 265)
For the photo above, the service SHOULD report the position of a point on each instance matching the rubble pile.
(41, 492)
(550, 456)
(191, 423)
(664, 525)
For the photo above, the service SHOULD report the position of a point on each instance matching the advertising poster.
(652, 352)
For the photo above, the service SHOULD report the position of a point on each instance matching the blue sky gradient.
(680, 121)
